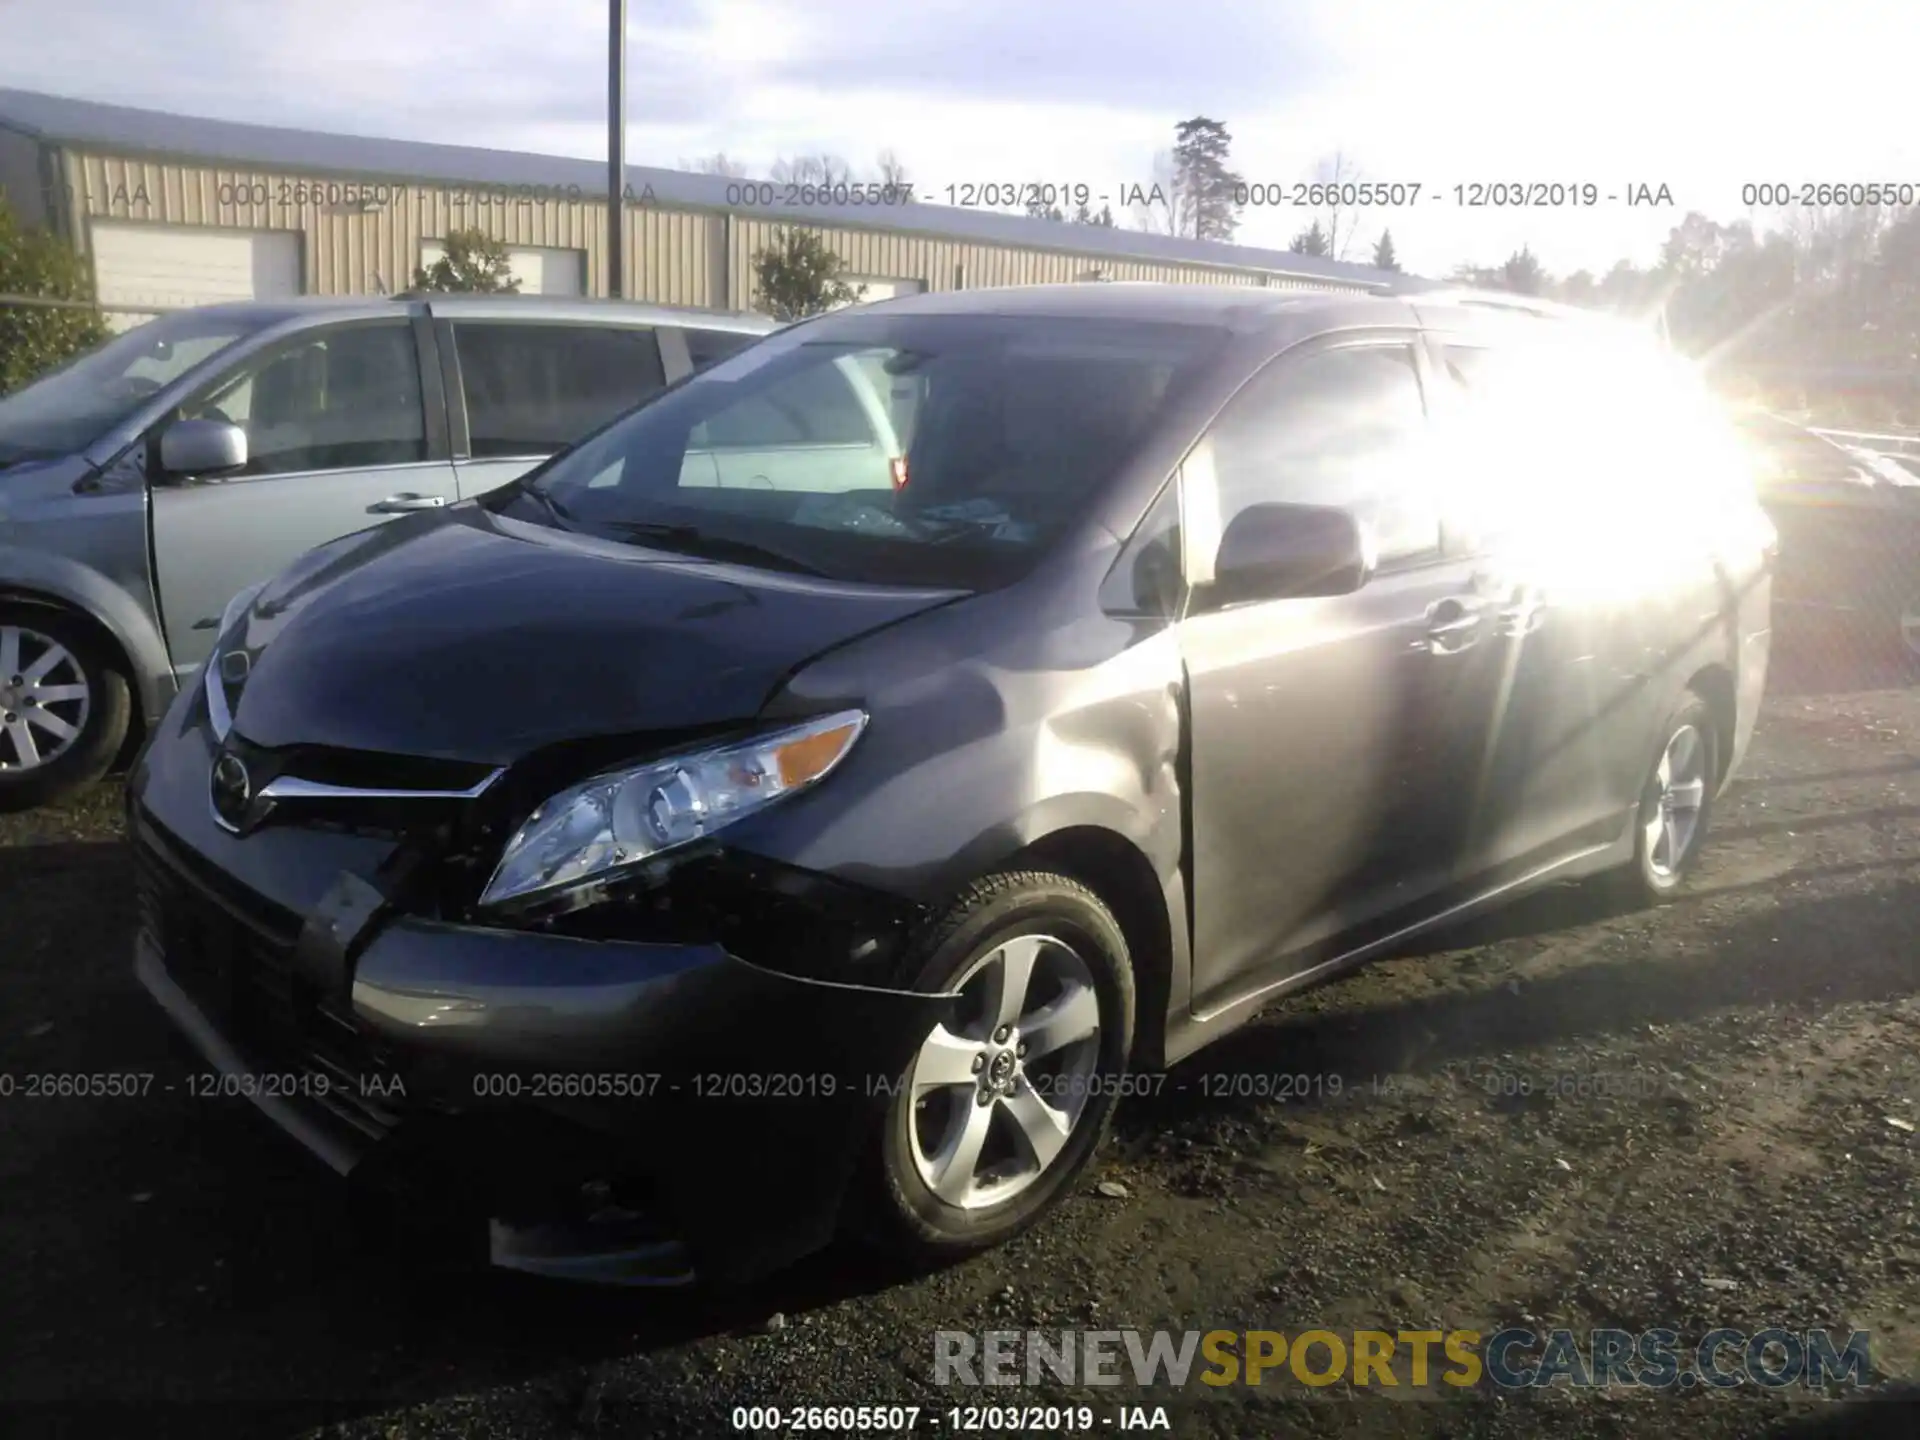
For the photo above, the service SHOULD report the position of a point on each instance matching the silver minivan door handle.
(400, 504)
(1452, 625)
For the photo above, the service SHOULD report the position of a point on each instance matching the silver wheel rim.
(44, 699)
(995, 1099)
(1910, 628)
(1673, 815)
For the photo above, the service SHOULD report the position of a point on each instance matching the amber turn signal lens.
(807, 759)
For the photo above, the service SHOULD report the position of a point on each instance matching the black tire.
(895, 1208)
(1651, 880)
(109, 710)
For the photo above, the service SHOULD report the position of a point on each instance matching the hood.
(468, 636)
(24, 478)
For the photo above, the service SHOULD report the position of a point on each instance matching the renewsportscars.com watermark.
(1510, 1359)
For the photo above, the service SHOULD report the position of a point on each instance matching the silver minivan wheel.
(1002, 1104)
(45, 699)
(996, 1099)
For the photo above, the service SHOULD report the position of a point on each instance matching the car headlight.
(239, 605)
(626, 817)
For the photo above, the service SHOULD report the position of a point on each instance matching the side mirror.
(1275, 552)
(202, 447)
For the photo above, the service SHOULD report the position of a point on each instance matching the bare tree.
(717, 163)
(1156, 210)
(811, 170)
(1339, 222)
(893, 171)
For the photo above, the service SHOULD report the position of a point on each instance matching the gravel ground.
(1708, 1137)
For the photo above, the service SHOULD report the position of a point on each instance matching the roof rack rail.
(1501, 300)
(1543, 309)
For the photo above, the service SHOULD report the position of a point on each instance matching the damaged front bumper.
(612, 1110)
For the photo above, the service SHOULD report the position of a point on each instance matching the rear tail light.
(898, 465)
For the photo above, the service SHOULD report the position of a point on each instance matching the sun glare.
(1595, 508)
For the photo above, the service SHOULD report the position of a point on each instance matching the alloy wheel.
(1672, 819)
(44, 699)
(996, 1097)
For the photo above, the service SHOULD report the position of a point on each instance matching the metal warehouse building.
(179, 211)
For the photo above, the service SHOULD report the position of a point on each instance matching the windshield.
(71, 407)
(944, 450)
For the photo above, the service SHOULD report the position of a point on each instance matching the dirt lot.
(1707, 1139)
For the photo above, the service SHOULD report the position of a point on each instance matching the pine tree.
(1208, 208)
(1310, 241)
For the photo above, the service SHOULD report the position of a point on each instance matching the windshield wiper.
(695, 541)
(546, 502)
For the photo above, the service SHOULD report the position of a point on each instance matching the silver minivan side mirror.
(202, 447)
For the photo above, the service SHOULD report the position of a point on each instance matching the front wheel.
(1004, 1105)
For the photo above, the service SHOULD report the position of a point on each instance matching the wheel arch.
(16, 597)
(1118, 871)
(1714, 684)
(39, 578)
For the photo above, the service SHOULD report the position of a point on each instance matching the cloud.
(484, 72)
(1700, 95)
(1199, 57)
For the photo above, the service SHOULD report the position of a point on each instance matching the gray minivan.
(877, 833)
(146, 483)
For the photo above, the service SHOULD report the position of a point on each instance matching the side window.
(812, 406)
(531, 389)
(338, 399)
(1147, 578)
(1342, 428)
(1469, 366)
(710, 347)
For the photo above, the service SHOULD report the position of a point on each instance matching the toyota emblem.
(232, 789)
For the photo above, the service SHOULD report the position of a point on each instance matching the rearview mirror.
(202, 447)
(1274, 552)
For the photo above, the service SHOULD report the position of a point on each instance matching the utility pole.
(616, 146)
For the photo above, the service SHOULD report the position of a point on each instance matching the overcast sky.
(1699, 95)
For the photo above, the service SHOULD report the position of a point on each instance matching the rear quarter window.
(814, 406)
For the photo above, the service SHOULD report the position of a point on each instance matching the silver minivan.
(146, 483)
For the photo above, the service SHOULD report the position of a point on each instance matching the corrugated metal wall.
(362, 233)
(941, 262)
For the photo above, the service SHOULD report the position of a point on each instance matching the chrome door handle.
(1523, 616)
(1453, 625)
(407, 500)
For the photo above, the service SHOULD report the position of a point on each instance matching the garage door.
(170, 267)
(539, 269)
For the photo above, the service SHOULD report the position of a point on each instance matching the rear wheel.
(1004, 1105)
(64, 708)
(1675, 804)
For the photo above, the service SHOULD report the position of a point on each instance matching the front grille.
(239, 974)
(237, 965)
